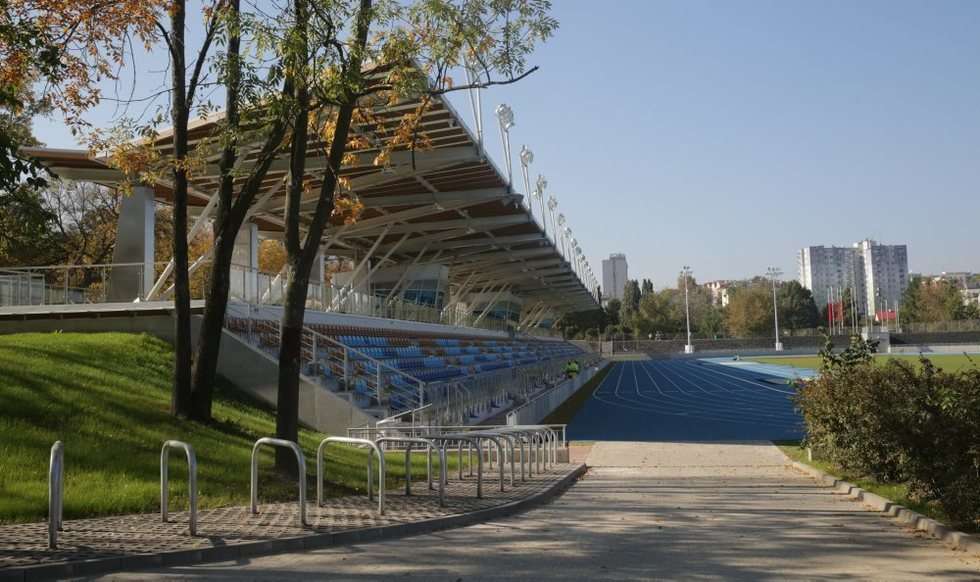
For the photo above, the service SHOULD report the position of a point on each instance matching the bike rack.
(56, 493)
(502, 453)
(495, 439)
(300, 462)
(460, 439)
(408, 462)
(191, 480)
(353, 441)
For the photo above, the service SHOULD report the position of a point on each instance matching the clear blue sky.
(726, 135)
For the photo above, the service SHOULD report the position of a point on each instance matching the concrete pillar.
(317, 288)
(245, 264)
(134, 244)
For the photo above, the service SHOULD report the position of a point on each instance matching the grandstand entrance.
(687, 400)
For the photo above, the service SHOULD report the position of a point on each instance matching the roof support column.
(245, 261)
(134, 244)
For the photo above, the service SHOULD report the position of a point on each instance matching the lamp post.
(552, 206)
(527, 157)
(686, 274)
(539, 187)
(773, 272)
(505, 115)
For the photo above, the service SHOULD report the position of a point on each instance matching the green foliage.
(106, 396)
(927, 301)
(749, 312)
(899, 422)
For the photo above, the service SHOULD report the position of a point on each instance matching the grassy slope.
(107, 397)
(948, 362)
(897, 492)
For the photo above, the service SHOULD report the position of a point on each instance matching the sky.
(727, 135)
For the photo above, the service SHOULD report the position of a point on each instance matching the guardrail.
(301, 469)
(56, 492)
(191, 480)
(353, 441)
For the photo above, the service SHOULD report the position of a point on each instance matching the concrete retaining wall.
(535, 410)
(935, 349)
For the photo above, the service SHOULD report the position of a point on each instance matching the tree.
(354, 56)
(749, 311)
(646, 287)
(797, 310)
(925, 300)
(52, 56)
(630, 305)
(183, 94)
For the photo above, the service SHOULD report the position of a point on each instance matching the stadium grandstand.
(450, 283)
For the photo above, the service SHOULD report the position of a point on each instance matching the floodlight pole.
(505, 115)
(773, 272)
(540, 186)
(686, 273)
(527, 156)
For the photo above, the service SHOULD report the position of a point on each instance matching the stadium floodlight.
(539, 187)
(772, 273)
(686, 273)
(527, 156)
(505, 115)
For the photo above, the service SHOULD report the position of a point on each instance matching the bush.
(899, 422)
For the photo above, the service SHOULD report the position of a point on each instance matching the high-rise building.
(875, 274)
(886, 274)
(614, 275)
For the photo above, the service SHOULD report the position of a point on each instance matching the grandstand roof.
(447, 203)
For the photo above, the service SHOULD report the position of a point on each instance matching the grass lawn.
(897, 492)
(948, 362)
(107, 396)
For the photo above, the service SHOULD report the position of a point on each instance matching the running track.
(686, 400)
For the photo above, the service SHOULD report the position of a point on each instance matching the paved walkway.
(142, 539)
(645, 511)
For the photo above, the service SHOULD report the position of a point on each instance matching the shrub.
(899, 422)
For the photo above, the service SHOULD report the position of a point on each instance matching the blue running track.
(687, 400)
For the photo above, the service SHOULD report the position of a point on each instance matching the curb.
(903, 515)
(284, 545)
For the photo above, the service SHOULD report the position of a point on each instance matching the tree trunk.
(180, 403)
(290, 351)
(227, 225)
(212, 325)
(301, 256)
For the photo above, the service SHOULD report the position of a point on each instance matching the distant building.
(876, 274)
(614, 276)
(719, 291)
(886, 274)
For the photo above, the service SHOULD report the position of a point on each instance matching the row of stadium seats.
(390, 364)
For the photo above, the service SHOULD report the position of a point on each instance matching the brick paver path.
(145, 534)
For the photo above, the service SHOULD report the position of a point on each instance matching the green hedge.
(899, 422)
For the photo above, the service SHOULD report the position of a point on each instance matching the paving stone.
(143, 538)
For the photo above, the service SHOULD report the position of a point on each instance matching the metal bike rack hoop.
(353, 441)
(408, 462)
(191, 480)
(300, 462)
(56, 492)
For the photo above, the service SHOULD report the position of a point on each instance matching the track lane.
(686, 400)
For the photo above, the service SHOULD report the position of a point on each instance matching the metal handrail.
(408, 463)
(56, 481)
(191, 480)
(382, 472)
(300, 462)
